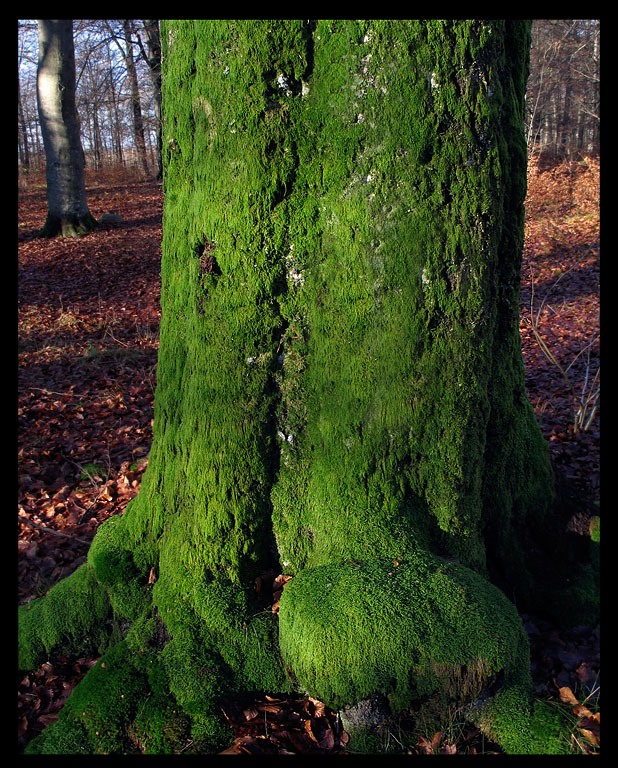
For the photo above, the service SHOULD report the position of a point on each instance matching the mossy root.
(405, 630)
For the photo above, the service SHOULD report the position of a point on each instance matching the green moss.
(595, 529)
(70, 620)
(90, 470)
(340, 382)
(126, 704)
(230, 159)
(238, 642)
(550, 729)
(97, 714)
(159, 729)
(69, 738)
(352, 630)
(402, 371)
(521, 728)
(113, 562)
(68, 226)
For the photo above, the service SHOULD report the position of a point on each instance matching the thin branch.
(50, 530)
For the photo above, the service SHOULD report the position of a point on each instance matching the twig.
(51, 392)
(51, 530)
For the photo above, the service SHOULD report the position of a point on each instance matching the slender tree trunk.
(68, 212)
(136, 108)
(595, 120)
(114, 114)
(36, 143)
(340, 395)
(153, 57)
(96, 131)
(23, 133)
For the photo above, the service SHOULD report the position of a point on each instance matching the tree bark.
(24, 152)
(340, 393)
(114, 112)
(153, 59)
(68, 212)
(136, 108)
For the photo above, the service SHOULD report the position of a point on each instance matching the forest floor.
(87, 353)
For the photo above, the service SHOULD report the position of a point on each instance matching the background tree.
(28, 134)
(563, 115)
(68, 212)
(104, 96)
(136, 107)
(152, 56)
(113, 102)
(562, 106)
(23, 148)
(340, 394)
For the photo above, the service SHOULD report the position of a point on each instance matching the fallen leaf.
(581, 711)
(429, 747)
(234, 749)
(22, 725)
(281, 580)
(590, 735)
(327, 740)
(273, 707)
(319, 707)
(585, 673)
(567, 696)
(309, 730)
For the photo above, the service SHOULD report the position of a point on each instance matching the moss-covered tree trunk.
(340, 392)
(67, 212)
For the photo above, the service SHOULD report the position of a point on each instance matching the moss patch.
(97, 714)
(71, 619)
(68, 226)
(402, 370)
(352, 630)
(595, 529)
(541, 729)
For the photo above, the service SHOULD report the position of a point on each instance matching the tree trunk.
(136, 108)
(340, 393)
(24, 152)
(153, 58)
(68, 212)
(114, 114)
(96, 135)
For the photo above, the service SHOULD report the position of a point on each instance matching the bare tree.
(113, 109)
(24, 153)
(68, 212)
(29, 140)
(563, 118)
(136, 109)
(152, 56)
